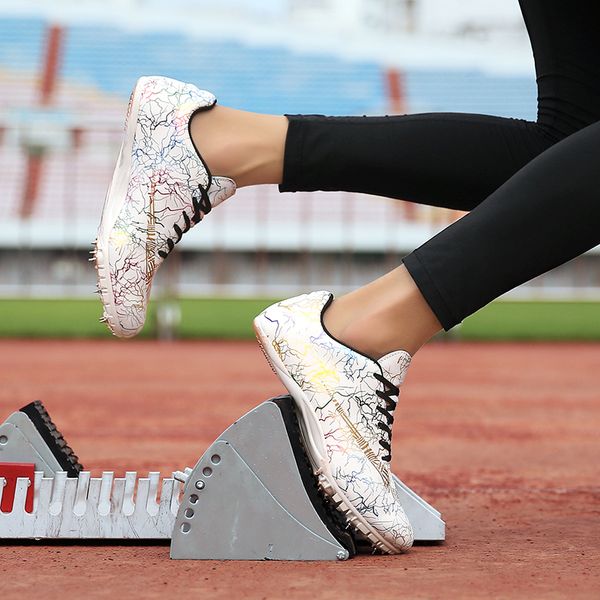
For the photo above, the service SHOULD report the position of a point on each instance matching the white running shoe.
(160, 189)
(345, 402)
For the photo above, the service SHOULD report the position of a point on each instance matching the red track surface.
(503, 439)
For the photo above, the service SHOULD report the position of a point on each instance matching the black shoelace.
(390, 405)
(201, 206)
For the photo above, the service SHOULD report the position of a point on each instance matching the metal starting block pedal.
(251, 496)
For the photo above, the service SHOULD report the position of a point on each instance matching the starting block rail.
(87, 507)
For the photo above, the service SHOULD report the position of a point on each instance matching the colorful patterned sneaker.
(345, 402)
(160, 189)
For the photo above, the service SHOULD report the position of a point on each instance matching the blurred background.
(67, 68)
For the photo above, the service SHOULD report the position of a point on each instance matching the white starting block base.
(93, 508)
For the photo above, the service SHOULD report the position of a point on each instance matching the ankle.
(374, 335)
(213, 136)
(246, 147)
(387, 314)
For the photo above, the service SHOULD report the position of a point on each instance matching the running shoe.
(345, 402)
(160, 189)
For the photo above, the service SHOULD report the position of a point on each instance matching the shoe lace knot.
(385, 424)
(201, 206)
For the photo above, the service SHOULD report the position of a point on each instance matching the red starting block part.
(11, 472)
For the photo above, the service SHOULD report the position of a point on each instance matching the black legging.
(532, 188)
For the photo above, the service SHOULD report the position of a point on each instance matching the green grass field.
(232, 319)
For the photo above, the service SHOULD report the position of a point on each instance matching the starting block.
(251, 496)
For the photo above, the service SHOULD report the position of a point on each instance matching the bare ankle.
(386, 315)
(247, 147)
(372, 335)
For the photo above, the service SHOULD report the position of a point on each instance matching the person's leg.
(542, 217)
(567, 55)
(387, 314)
(448, 160)
(566, 49)
(457, 160)
(451, 160)
(247, 147)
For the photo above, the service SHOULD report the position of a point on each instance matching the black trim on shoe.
(199, 110)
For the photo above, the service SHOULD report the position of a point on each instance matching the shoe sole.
(315, 446)
(115, 198)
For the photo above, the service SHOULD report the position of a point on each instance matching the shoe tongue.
(220, 189)
(394, 366)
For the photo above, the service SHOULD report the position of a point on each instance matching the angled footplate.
(30, 436)
(251, 496)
